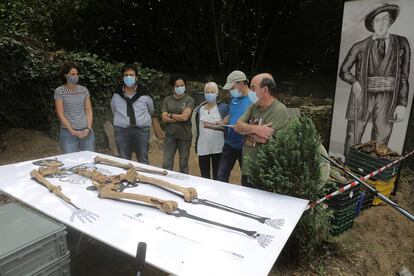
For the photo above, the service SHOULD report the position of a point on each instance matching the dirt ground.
(380, 243)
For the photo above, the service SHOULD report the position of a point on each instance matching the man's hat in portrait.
(393, 10)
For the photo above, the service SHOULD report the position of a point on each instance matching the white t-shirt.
(209, 141)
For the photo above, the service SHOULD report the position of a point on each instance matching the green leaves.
(29, 76)
(290, 164)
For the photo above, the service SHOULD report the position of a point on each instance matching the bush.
(290, 164)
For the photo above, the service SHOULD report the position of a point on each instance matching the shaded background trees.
(296, 40)
(203, 39)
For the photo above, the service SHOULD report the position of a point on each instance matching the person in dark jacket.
(210, 141)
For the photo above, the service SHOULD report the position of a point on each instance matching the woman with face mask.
(74, 110)
(176, 113)
(133, 108)
(210, 141)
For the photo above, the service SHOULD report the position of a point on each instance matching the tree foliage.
(207, 38)
(30, 76)
(29, 67)
(290, 164)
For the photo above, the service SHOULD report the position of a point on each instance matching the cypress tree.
(290, 165)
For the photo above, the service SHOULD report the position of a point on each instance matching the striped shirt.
(73, 105)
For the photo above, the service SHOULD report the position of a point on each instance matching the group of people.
(226, 133)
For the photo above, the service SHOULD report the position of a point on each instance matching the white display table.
(177, 245)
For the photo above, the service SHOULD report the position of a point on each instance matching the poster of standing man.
(373, 95)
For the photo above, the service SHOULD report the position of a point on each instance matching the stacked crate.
(31, 244)
(367, 199)
(363, 164)
(343, 207)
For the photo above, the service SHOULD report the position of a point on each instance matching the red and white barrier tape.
(354, 183)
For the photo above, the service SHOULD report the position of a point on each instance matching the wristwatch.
(170, 115)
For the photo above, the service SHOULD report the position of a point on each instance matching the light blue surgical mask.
(253, 97)
(72, 79)
(179, 90)
(129, 81)
(210, 97)
(235, 93)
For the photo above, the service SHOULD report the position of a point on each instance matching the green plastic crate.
(336, 230)
(364, 164)
(342, 200)
(338, 221)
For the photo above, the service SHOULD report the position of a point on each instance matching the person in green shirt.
(176, 113)
(261, 120)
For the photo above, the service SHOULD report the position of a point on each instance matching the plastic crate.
(369, 197)
(28, 241)
(343, 219)
(343, 200)
(364, 164)
(336, 230)
(343, 216)
(60, 267)
(345, 203)
(384, 187)
(343, 207)
(344, 212)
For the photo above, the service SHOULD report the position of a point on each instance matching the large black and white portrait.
(373, 96)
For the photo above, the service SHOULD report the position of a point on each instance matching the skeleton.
(109, 162)
(64, 174)
(82, 214)
(188, 194)
(105, 161)
(109, 187)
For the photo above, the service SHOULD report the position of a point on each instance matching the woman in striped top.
(74, 110)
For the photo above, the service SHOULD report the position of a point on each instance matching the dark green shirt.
(178, 130)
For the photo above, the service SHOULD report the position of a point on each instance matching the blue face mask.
(210, 97)
(179, 90)
(253, 97)
(72, 79)
(129, 81)
(235, 93)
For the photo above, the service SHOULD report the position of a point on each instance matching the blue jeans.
(130, 138)
(229, 156)
(69, 143)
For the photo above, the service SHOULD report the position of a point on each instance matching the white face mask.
(179, 90)
(253, 97)
(210, 97)
(235, 93)
(129, 81)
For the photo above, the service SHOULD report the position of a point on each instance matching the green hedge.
(30, 76)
